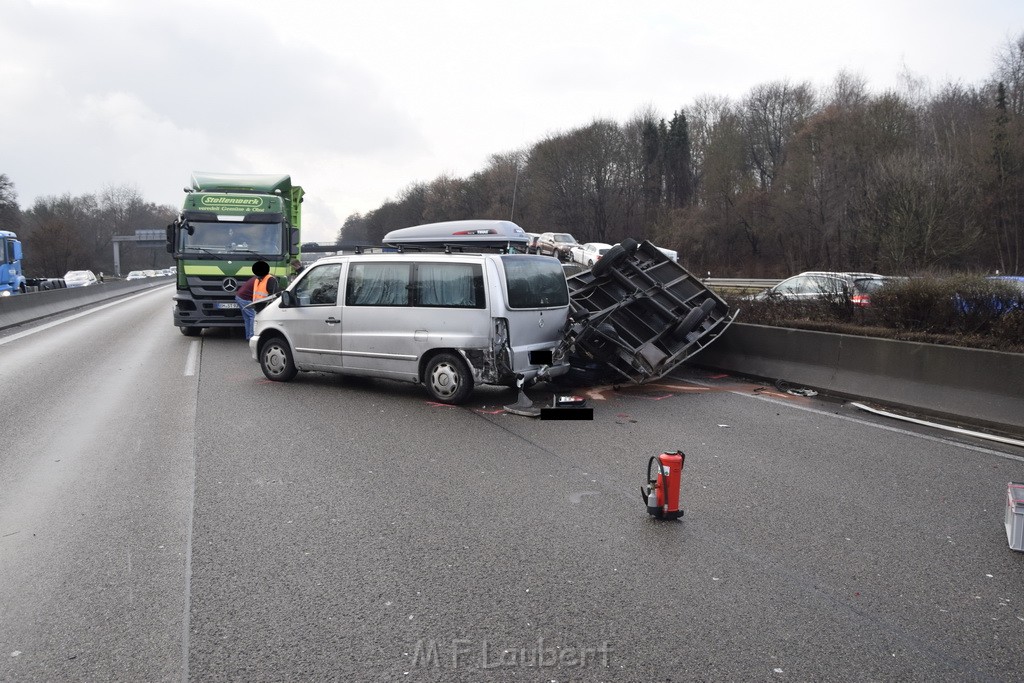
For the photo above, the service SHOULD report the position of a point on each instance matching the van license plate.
(228, 305)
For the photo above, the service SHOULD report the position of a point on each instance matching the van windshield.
(535, 282)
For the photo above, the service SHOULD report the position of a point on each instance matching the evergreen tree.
(678, 163)
(653, 173)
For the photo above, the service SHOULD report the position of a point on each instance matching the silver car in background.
(855, 288)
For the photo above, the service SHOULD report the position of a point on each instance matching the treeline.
(783, 180)
(76, 232)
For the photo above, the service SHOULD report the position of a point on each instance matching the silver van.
(447, 321)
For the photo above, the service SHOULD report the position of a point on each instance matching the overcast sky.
(358, 100)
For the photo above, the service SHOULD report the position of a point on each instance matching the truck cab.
(12, 280)
(227, 223)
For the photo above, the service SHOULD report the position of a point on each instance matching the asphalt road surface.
(166, 513)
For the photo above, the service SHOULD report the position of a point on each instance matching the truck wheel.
(692, 319)
(191, 331)
(447, 379)
(276, 360)
(630, 245)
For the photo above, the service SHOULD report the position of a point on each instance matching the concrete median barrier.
(983, 387)
(24, 308)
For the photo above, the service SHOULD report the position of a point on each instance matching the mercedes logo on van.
(230, 284)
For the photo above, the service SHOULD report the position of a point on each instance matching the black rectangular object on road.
(567, 413)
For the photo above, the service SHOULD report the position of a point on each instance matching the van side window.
(319, 287)
(377, 284)
(449, 285)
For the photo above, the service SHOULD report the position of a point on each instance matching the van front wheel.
(276, 360)
(448, 379)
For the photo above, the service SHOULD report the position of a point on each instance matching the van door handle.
(332, 321)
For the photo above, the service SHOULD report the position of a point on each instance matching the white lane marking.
(897, 430)
(936, 425)
(193, 356)
(46, 326)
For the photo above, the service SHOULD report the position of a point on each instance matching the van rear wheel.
(448, 379)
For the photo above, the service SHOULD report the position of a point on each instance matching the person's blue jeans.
(248, 315)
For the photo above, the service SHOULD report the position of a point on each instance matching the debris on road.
(1014, 519)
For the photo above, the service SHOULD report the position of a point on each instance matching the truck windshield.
(225, 238)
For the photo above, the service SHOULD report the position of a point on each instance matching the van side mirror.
(287, 299)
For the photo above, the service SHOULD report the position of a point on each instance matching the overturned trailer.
(634, 316)
(637, 315)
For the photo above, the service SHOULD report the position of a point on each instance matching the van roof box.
(458, 235)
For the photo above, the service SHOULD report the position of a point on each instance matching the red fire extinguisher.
(661, 495)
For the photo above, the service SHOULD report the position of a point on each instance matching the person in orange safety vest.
(261, 285)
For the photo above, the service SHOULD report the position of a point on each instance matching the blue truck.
(12, 278)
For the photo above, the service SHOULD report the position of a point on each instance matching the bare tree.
(10, 214)
(1010, 72)
(772, 114)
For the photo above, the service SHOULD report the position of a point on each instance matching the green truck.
(228, 223)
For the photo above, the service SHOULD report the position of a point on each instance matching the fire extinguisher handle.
(649, 463)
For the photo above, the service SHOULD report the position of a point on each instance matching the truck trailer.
(227, 223)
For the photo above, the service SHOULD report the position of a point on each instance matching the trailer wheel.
(692, 319)
(191, 331)
(615, 256)
(447, 379)
(630, 245)
(276, 360)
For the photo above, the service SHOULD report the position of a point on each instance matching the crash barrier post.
(976, 385)
(23, 308)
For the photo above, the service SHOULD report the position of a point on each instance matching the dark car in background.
(855, 288)
(557, 244)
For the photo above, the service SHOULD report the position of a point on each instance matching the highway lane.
(351, 530)
(95, 496)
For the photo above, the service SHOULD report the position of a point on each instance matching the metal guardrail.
(740, 282)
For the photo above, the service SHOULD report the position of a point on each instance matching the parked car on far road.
(556, 244)
(136, 275)
(531, 245)
(588, 254)
(820, 285)
(80, 278)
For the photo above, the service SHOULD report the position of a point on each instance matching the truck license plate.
(227, 305)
